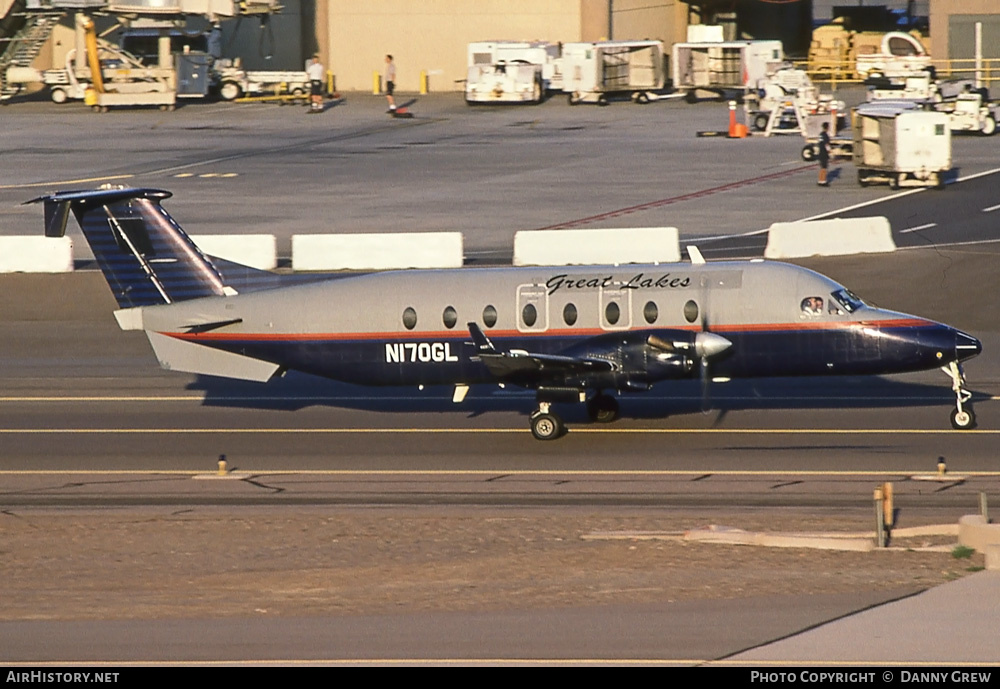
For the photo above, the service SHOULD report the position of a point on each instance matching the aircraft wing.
(517, 363)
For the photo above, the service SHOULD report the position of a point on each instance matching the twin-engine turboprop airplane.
(572, 334)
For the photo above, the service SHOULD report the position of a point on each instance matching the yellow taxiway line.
(449, 431)
(513, 473)
(54, 183)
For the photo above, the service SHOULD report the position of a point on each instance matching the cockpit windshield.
(848, 299)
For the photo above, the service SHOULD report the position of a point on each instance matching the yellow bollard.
(376, 83)
(331, 82)
(222, 465)
(942, 467)
(423, 82)
(888, 505)
(880, 532)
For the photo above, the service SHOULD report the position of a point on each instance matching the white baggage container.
(901, 145)
(592, 71)
(724, 67)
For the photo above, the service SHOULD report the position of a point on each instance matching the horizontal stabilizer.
(177, 355)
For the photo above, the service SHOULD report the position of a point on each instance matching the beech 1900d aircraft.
(572, 334)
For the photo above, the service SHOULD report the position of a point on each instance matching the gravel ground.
(222, 562)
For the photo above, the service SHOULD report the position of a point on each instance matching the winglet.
(480, 340)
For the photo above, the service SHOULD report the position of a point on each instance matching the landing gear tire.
(546, 426)
(602, 409)
(963, 420)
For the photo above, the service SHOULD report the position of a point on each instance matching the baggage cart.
(593, 71)
(899, 144)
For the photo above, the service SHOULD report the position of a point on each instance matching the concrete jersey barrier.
(377, 251)
(836, 237)
(29, 254)
(597, 247)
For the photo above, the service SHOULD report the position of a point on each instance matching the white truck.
(900, 144)
(724, 67)
(234, 82)
(901, 55)
(511, 71)
(593, 71)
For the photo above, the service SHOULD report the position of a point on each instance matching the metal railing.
(834, 72)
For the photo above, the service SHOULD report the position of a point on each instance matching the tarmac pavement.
(958, 624)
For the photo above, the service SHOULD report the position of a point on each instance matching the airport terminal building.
(429, 38)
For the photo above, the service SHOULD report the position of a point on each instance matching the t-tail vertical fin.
(144, 254)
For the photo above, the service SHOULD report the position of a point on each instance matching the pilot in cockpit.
(812, 307)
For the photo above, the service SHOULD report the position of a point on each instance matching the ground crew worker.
(315, 73)
(824, 154)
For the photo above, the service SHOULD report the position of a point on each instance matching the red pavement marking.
(677, 199)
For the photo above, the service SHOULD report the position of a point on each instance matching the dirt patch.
(219, 562)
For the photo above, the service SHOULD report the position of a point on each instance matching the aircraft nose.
(966, 346)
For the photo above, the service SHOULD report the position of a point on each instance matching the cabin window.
(570, 314)
(691, 311)
(529, 315)
(489, 316)
(409, 318)
(812, 307)
(450, 317)
(612, 313)
(650, 312)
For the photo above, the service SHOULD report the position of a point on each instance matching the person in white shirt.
(316, 72)
(390, 82)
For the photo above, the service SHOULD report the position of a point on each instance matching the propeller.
(707, 345)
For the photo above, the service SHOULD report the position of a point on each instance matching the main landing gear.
(962, 417)
(602, 408)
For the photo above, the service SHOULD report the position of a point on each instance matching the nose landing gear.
(545, 425)
(962, 417)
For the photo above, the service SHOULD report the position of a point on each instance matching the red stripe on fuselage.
(566, 332)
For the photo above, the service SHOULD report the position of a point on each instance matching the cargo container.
(594, 71)
(724, 68)
(899, 144)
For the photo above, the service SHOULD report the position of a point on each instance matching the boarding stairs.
(23, 47)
